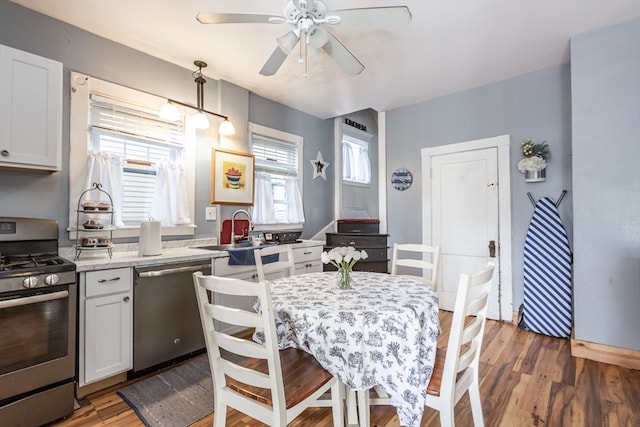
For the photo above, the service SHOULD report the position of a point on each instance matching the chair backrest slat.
(285, 264)
(428, 262)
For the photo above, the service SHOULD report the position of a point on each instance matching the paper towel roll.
(150, 238)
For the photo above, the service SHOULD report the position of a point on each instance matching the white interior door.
(462, 211)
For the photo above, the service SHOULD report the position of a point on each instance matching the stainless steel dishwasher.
(166, 321)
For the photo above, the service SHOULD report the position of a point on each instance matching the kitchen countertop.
(178, 251)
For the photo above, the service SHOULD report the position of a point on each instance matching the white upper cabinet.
(30, 111)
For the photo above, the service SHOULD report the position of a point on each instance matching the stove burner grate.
(12, 263)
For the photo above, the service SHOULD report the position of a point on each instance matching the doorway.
(466, 211)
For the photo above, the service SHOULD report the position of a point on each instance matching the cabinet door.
(30, 111)
(108, 323)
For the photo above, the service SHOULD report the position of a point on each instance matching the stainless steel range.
(38, 298)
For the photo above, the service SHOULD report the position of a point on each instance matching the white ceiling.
(449, 46)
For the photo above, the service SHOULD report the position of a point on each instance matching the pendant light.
(170, 112)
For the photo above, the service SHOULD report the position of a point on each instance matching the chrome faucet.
(235, 237)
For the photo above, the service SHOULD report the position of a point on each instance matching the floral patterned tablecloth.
(383, 331)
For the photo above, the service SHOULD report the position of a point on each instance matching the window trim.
(79, 143)
(268, 132)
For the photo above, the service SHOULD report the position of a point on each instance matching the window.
(278, 185)
(356, 167)
(118, 128)
(143, 140)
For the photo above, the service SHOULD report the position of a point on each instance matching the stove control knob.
(51, 279)
(30, 282)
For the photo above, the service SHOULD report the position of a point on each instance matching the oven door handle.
(34, 299)
(168, 271)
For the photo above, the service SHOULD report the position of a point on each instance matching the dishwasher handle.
(176, 270)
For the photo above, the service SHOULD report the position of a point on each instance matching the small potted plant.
(534, 163)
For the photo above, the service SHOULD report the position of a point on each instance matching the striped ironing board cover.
(547, 273)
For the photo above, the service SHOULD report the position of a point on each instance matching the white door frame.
(502, 142)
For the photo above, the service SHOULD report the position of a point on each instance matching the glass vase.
(344, 278)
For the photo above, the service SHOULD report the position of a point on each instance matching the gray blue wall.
(535, 105)
(46, 195)
(605, 78)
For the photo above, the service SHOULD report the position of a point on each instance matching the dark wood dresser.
(362, 234)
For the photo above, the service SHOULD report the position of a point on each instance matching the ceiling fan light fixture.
(287, 42)
(318, 37)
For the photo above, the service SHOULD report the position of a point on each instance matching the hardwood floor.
(526, 379)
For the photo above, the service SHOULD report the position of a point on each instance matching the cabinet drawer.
(308, 254)
(358, 227)
(104, 282)
(361, 241)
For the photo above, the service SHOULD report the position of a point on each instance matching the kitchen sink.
(226, 246)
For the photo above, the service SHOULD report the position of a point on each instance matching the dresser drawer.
(364, 265)
(358, 227)
(104, 282)
(357, 240)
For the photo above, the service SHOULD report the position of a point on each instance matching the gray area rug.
(177, 397)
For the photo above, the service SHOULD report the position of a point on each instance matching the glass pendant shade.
(287, 42)
(200, 121)
(169, 112)
(226, 128)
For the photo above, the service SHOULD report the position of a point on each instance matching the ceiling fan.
(308, 18)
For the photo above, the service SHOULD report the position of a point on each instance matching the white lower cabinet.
(106, 324)
(307, 259)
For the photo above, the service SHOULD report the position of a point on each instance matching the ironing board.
(547, 273)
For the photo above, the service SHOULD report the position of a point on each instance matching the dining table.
(382, 331)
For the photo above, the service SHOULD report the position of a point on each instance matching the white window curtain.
(170, 203)
(356, 166)
(348, 166)
(107, 170)
(295, 211)
(263, 211)
(364, 166)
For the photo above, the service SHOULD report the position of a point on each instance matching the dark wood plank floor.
(527, 379)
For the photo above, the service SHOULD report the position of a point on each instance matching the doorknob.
(492, 248)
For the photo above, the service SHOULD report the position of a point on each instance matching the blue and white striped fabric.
(547, 273)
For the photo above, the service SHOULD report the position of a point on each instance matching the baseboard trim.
(84, 391)
(607, 354)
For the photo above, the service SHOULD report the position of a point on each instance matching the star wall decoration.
(319, 167)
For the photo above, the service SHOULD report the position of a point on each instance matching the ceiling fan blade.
(387, 18)
(274, 62)
(342, 56)
(237, 18)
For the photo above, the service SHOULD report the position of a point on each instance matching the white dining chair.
(269, 385)
(428, 262)
(284, 266)
(456, 371)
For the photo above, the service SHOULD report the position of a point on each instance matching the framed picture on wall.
(231, 177)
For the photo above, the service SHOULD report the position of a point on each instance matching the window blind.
(275, 156)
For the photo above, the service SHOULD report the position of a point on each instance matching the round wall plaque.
(401, 179)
